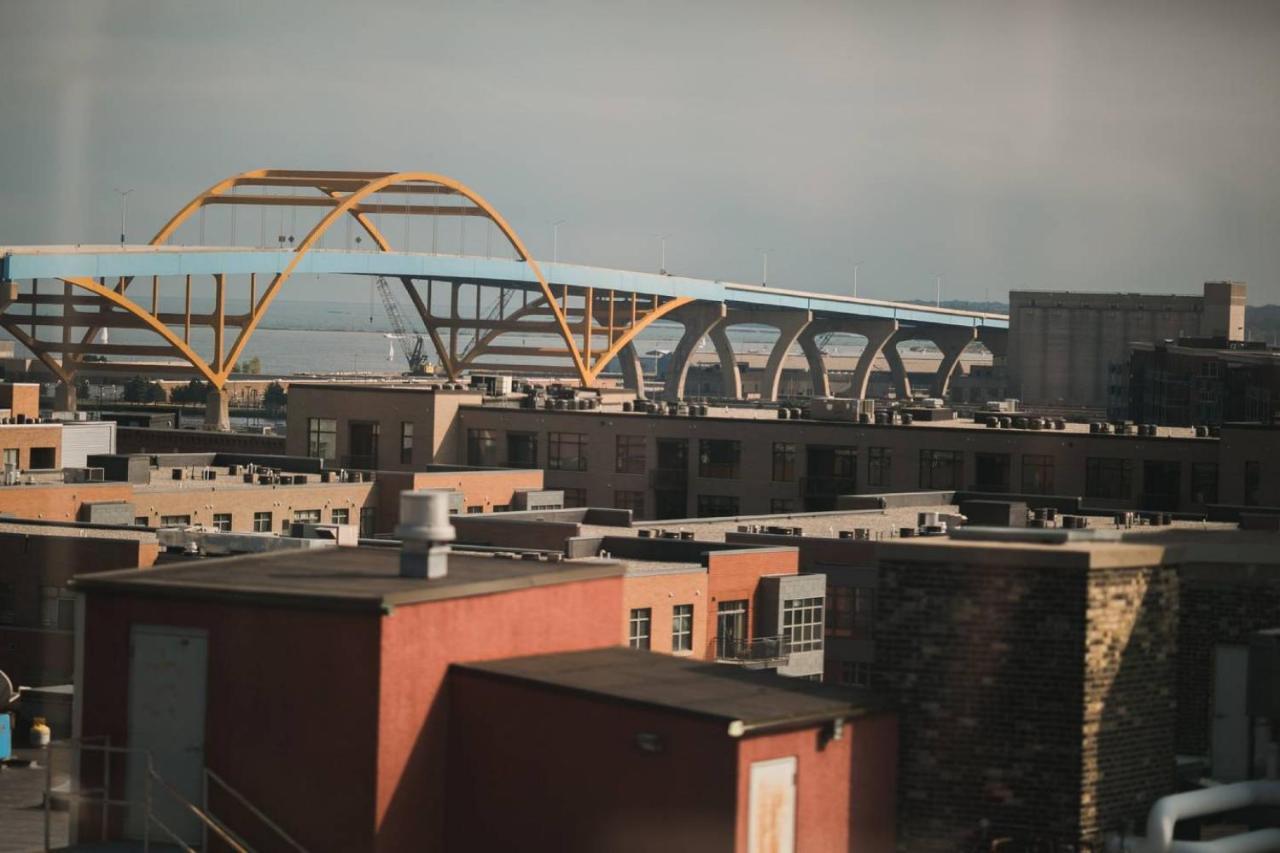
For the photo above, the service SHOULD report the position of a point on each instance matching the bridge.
(496, 309)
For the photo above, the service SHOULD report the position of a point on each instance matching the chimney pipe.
(425, 533)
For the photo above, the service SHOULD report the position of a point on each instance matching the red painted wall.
(734, 575)
(537, 769)
(418, 644)
(845, 790)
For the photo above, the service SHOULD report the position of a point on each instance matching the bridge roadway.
(480, 312)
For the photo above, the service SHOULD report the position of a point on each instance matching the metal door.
(1229, 745)
(771, 809)
(167, 673)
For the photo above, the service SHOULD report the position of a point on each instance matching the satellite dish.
(7, 693)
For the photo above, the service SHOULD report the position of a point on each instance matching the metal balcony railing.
(752, 651)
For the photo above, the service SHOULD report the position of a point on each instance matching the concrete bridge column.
(217, 410)
(698, 320)
(64, 396)
(632, 370)
(789, 325)
(877, 333)
(898, 370)
(952, 341)
(818, 378)
(730, 376)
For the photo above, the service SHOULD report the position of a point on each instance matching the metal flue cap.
(424, 517)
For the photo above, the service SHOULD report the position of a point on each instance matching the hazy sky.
(1096, 146)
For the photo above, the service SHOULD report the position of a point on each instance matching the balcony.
(752, 652)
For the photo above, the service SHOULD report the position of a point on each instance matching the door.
(167, 673)
(731, 629)
(1229, 734)
(363, 444)
(771, 807)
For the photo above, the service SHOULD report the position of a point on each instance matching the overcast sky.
(1066, 144)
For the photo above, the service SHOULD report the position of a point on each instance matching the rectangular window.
(682, 628)
(141, 521)
(482, 448)
(802, 624)
(574, 498)
(340, 515)
(855, 673)
(731, 629)
(406, 442)
(632, 500)
(631, 457)
(849, 610)
(638, 632)
(1204, 482)
(991, 472)
(1252, 483)
(222, 521)
(566, 451)
(57, 608)
(879, 462)
(322, 438)
(175, 521)
(307, 516)
(368, 523)
(717, 506)
(1037, 474)
(11, 457)
(941, 469)
(1107, 478)
(262, 522)
(784, 462)
(522, 450)
(718, 458)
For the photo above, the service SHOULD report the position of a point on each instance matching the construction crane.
(411, 344)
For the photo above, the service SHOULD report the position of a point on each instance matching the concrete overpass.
(480, 311)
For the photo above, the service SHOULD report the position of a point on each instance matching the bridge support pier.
(789, 325)
(217, 410)
(698, 321)
(632, 370)
(819, 380)
(877, 333)
(64, 396)
(898, 370)
(953, 342)
(730, 376)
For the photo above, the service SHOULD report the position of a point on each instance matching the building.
(1062, 345)
(343, 668)
(1198, 381)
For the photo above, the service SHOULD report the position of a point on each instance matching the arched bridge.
(240, 242)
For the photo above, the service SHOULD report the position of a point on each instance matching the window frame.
(784, 462)
(558, 443)
(640, 628)
(682, 628)
(316, 435)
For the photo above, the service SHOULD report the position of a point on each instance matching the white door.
(771, 820)
(167, 671)
(1229, 745)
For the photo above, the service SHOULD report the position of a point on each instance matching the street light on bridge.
(124, 210)
(764, 276)
(555, 240)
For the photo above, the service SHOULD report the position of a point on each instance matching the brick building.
(1198, 381)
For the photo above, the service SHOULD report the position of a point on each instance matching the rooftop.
(346, 578)
(745, 701)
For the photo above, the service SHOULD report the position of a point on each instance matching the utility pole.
(555, 240)
(124, 210)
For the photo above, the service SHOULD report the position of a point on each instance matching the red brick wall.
(735, 575)
(535, 769)
(21, 398)
(23, 437)
(660, 593)
(58, 501)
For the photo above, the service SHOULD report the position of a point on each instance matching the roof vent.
(425, 533)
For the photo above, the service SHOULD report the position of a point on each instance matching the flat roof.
(746, 701)
(74, 530)
(364, 578)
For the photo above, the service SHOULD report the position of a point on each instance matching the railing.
(760, 651)
(210, 776)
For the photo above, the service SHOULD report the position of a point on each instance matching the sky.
(1046, 144)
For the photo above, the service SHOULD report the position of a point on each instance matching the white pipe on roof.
(1169, 810)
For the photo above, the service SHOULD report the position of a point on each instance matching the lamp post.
(855, 278)
(937, 303)
(124, 210)
(555, 240)
(662, 254)
(764, 275)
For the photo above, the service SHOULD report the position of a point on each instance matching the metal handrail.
(244, 801)
(216, 825)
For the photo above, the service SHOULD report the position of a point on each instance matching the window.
(634, 501)
(731, 629)
(566, 451)
(340, 515)
(784, 462)
(991, 472)
(574, 498)
(1252, 483)
(322, 438)
(363, 437)
(849, 610)
(879, 463)
(718, 458)
(682, 628)
(406, 442)
(482, 448)
(1108, 478)
(175, 521)
(717, 506)
(262, 522)
(638, 632)
(778, 506)
(368, 515)
(1037, 474)
(11, 457)
(222, 521)
(141, 521)
(307, 516)
(631, 455)
(855, 673)
(1204, 483)
(57, 608)
(802, 624)
(941, 469)
(522, 450)
(44, 458)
